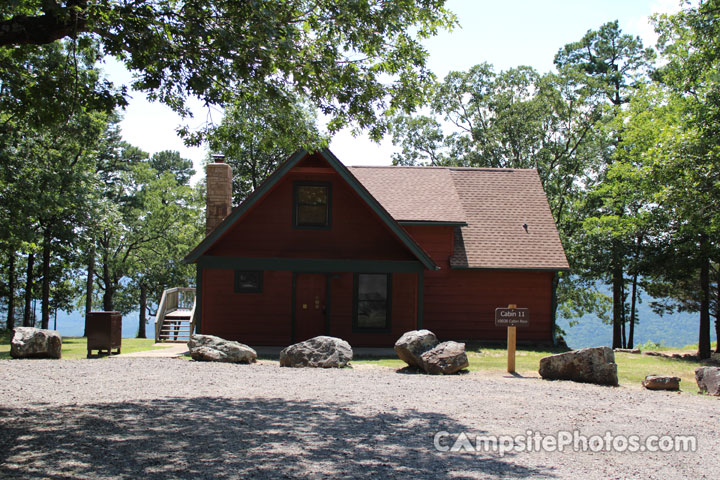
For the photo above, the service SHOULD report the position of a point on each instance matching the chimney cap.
(218, 157)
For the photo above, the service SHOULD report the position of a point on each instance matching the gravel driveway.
(136, 418)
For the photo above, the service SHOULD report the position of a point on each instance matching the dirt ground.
(153, 418)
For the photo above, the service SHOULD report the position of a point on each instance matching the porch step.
(175, 330)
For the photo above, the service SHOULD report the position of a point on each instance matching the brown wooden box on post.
(104, 332)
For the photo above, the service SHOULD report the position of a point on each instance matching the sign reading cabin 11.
(512, 317)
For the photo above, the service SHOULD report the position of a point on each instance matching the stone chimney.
(219, 192)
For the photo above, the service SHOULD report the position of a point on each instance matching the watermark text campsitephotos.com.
(562, 441)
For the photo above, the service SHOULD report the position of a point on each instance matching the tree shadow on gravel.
(205, 437)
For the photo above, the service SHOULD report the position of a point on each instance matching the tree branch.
(56, 23)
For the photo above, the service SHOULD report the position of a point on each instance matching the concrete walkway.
(169, 350)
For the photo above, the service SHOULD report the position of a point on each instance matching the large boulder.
(708, 380)
(445, 359)
(209, 348)
(28, 342)
(413, 344)
(322, 352)
(661, 382)
(588, 365)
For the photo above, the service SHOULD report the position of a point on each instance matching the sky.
(506, 33)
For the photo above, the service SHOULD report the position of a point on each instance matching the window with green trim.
(247, 281)
(312, 205)
(372, 301)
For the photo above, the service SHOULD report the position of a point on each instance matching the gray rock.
(690, 357)
(322, 352)
(209, 348)
(628, 350)
(708, 380)
(588, 365)
(661, 382)
(445, 359)
(28, 342)
(413, 344)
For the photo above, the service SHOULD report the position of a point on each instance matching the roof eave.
(511, 269)
(437, 223)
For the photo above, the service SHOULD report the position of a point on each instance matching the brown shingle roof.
(413, 193)
(495, 204)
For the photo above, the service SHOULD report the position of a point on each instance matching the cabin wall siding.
(460, 304)
(251, 318)
(355, 231)
(266, 318)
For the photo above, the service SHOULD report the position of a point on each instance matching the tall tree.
(690, 164)
(173, 209)
(153, 214)
(615, 63)
(354, 61)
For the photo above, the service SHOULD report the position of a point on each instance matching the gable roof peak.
(279, 173)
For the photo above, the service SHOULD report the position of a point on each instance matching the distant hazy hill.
(676, 330)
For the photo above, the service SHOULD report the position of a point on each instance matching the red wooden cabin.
(367, 253)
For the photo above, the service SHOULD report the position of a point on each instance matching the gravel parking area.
(153, 418)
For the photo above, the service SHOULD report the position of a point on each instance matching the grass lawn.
(76, 347)
(632, 368)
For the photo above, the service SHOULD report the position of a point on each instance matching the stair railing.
(173, 299)
(160, 315)
(192, 318)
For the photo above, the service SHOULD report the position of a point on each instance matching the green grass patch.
(693, 347)
(632, 368)
(76, 347)
(492, 358)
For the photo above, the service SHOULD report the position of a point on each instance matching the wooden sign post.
(511, 317)
(512, 339)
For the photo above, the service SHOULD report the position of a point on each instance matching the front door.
(310, 291)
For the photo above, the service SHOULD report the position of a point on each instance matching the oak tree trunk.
(633, 302)
(704, 335)
(45, 308)
(89, 285)
(109, 288)
(624, 316)
(717, 317)
(143, 310)
(617, 285)
(27, 317)
(10, 323)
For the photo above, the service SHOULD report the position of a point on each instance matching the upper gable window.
(311, 205)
